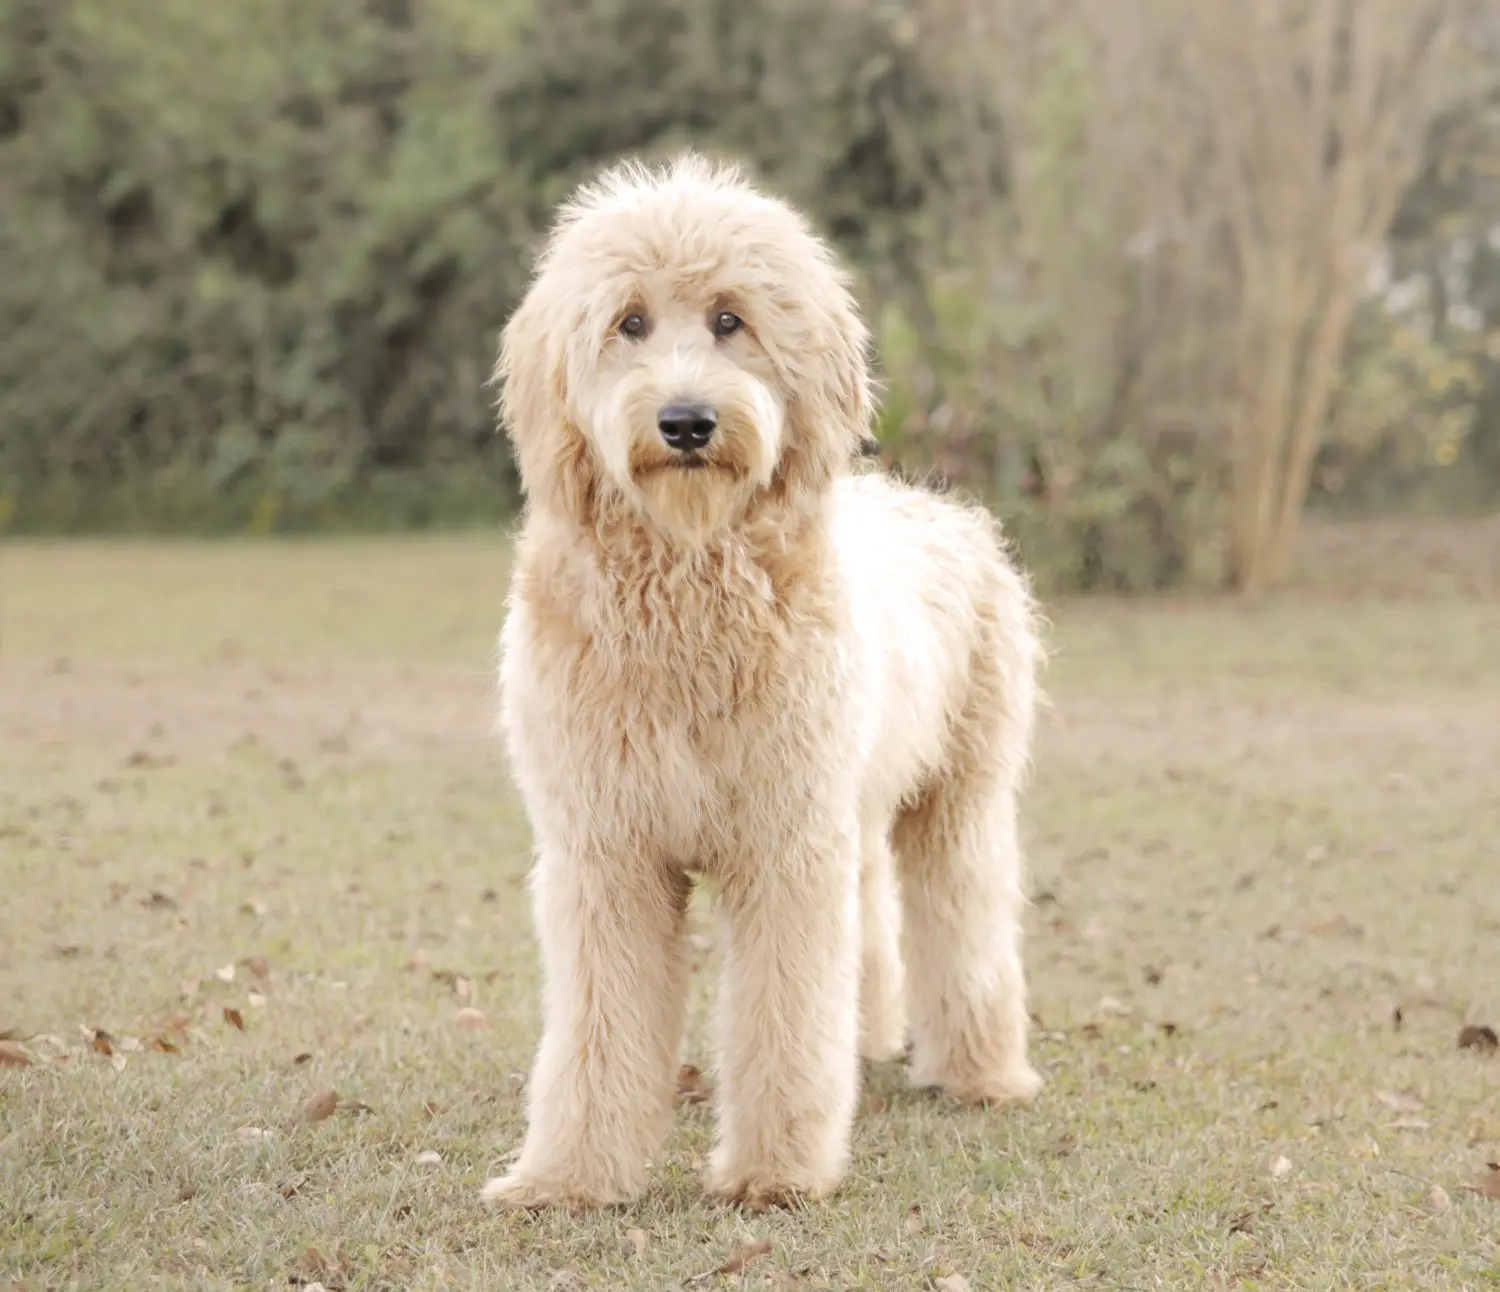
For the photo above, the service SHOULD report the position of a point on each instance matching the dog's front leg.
(600, 1092)
(788, 1018)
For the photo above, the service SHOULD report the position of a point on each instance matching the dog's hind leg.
(961, 885)
(882, 990)
(600, 1092)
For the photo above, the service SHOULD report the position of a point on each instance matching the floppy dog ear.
(832, 407)
(551, 453)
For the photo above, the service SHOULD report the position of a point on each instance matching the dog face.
(687, 346)
(682, 404)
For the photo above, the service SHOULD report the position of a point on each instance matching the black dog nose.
(686, 427)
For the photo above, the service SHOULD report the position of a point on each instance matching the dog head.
(687, 345)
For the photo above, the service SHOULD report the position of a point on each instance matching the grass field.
(256, 846)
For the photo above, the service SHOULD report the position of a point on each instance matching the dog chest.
(671, 716)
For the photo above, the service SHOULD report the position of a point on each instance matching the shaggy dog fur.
(753, 661)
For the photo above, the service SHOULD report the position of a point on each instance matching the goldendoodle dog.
(730, 651)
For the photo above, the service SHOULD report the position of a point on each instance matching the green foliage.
(252, 254)
(1018, 366)
(254, 260)
(1406, 396)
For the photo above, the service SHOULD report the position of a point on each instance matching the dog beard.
(694, 496)
(692, 499)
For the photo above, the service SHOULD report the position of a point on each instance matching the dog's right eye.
(633, 325)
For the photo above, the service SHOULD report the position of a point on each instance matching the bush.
(257, 259)
(254, 259)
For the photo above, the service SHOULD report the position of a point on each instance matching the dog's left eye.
(727, 324)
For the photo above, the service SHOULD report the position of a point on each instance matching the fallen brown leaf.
(1400, 1101)
(158, 901)
(638, 1239)
(234, 1018)
(292, 1188)
(751, 1249)
(691, 1086)
(12, 1056)
(320, 1106)
(462, 987)
(1488, 1184)
(316, 1269)
(1480, 1037)
(1339, 926)
(101, 1040)
(300, 1059)
(178, 1021)
(1245, 1221)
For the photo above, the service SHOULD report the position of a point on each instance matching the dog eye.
(727, 324)
(633, 325)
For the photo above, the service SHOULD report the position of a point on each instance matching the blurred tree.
(1445, 243)
(1318, 111)
(253, 261)
(250, 255)
(1065, 312)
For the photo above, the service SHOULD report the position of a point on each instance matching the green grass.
(1255, 834)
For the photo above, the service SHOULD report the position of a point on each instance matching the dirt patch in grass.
(268, 986)
(1402, 558)
(147, 713)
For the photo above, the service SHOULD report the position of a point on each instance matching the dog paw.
(762, 1190)
(757, 1195)
(518, 1192)
(1017, 1086)
(882, 1045)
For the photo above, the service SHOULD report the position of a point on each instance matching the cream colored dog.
(728, 653)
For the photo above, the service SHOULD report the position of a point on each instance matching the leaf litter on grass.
(1270, 795)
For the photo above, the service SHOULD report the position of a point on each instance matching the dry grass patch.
(268, 987)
